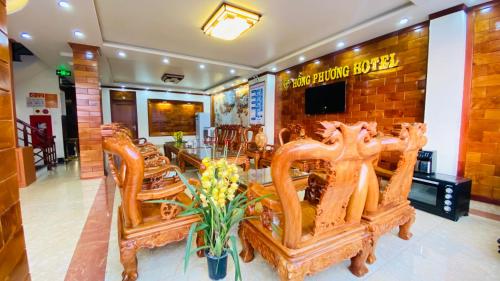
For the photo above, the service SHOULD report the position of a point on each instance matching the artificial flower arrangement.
(178, 137)
(220, 207)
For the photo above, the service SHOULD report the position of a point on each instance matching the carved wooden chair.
(300, 238)
(253, 147)
(141, 224)
(387, 204)
(292, 132)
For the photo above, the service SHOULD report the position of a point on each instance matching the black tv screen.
(326, 99)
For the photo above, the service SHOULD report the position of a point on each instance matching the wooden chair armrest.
(162, 192)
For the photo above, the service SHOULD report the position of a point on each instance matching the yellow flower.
(206, 184)
(234, 178)
(230, 197)
(205, 161)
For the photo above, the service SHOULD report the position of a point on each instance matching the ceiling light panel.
(229, 22)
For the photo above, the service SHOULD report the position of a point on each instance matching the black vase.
(217, 266)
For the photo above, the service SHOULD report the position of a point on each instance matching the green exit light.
(63, 72)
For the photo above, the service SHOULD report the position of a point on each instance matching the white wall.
(269, 94)
(142, 110)
(445, 82)
(32, 75)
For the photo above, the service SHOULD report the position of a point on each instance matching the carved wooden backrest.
(347, 150)
(291, 133)
(131, 173)
(253, 130)
(408, 140)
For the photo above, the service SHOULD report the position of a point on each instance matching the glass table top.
(263, 176)
(208, 151)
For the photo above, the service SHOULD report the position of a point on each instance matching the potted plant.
(220, 207)
(178, 137)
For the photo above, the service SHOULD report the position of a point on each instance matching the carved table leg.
(404, 229)
(371, 256)
(182, 164)
(247, 253)
(358, 265)
(200, 242)
(128, 259)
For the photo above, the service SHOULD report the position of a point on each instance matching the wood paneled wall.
(387, 97)
(482, 162)
(89, 111)
(13, 260)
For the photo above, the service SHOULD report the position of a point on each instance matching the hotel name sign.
(361, 67)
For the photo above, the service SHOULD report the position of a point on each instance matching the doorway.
(124, 109)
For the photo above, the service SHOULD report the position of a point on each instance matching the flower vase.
(217, 266)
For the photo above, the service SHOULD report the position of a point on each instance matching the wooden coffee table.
(194, 156)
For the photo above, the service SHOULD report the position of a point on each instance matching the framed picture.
(256, 103)
(169, 116)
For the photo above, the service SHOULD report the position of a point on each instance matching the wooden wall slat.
(482, 149)
(13, 259)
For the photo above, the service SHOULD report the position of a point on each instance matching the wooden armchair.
(387, 204)
(292, 132)
(255, 147)
(300, 238)
(142, 224)
(230, 135)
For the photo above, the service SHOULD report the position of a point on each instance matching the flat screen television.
(326, 99)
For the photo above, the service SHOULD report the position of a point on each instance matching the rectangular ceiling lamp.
(229, 22)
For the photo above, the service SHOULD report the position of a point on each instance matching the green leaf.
(188, 245)
(236, 259)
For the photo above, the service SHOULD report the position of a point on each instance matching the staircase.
(44, 147)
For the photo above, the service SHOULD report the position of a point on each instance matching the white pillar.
(270, 80)
(445, 88)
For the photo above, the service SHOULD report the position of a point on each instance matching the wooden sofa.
(142, 224)
(309, 236)
(387, 205)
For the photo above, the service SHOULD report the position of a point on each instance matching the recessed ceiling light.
(64, 4)
(78, 34)
(122, 54)
(302, 58)
(340, 44)
(273, 69)
(317, 62)
(89, 55)
(26, 35)
(356, 49)
(287, 72)
(486, 10)
(228, 22)
(403, 21)
(123, 87)
(202, 66)
(166, 61)
(232, 71)
(418, 29)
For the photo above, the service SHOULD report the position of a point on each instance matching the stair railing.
(44, 148)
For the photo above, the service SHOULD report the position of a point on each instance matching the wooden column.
(13, 260)
(89, 111)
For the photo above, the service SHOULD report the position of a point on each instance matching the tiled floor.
(56, 207)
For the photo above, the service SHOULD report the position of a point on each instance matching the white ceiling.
(155, 29)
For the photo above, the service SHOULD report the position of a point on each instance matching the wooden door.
(124, 109)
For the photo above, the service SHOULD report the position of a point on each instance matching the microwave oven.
(442, 195)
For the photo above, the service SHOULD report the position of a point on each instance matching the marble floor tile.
(55, 210)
